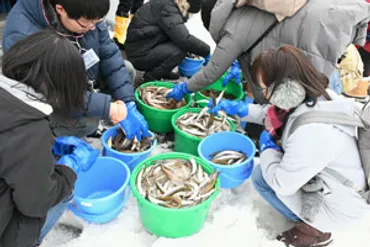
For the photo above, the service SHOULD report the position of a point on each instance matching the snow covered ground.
(239, 217)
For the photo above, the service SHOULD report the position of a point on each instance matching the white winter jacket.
(307, 152)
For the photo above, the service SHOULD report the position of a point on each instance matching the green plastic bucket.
(184, 142)
(231, 88)
(159, 120)
(172, 222)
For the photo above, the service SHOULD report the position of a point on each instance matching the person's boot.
(171, 76)
(304, 235)
(360, 92)
(120, 29)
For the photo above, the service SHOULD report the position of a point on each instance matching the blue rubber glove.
(231, 107)
(368, 37)
(267, 141)
(179, 91)
(134, 124)
(66, 144)
(81, 159)
(234, 73)
(206, 59)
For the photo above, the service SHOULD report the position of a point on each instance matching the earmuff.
(289, 94)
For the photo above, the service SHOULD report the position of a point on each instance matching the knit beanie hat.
(288, 95)
(194, 6)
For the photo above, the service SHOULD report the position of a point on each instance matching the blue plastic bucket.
(131, 159)
(101, 189)
(102, 218)
(234, 175)
(190, 63)
(189, 72)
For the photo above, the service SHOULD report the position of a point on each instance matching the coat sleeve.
(112, 67)
(225, 53)
(37, 184)
(96, 105)
(172, 23)
(307, 153)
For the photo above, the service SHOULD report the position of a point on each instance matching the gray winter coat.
(322, 29)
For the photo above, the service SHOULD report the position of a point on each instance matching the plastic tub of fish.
(233, 92)
(231, 154)
(102, 190)
(159, 120)
(189, 72)
(179, 207)
(131, 152)
(188, 143)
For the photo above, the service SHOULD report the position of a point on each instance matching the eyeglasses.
(90, 25)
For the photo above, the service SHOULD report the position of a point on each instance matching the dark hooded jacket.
(30, 16)
(159, 22)
(30, 182)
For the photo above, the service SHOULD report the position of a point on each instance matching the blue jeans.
(52, 217)
(269, 195)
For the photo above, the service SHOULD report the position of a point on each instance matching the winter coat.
(30, 183)
(322, 29)
(307, 152)
(27, 17)
(158, 22)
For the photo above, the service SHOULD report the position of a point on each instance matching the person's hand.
(135, 124)
(234, 73)
(66, 145)
(178, 92)
(206, 59)
(118, 111)
(267, 141)
(81, 159)
(230, 107)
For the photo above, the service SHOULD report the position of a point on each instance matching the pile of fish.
(156, 97)
(228, 157)
(208, 93)
(176, 183)
(121, 144)
(193, 56)
(202, 124)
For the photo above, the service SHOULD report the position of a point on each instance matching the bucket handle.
(251, 165)
(72, 206)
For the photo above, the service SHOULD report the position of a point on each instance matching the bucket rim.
(250, 157)
(164, 156)
(193, 59)
(191, 137)
(188, 98)
(123, 187)
(154, 144)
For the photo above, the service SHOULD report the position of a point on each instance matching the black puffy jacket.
(158, 22)
(30, 182)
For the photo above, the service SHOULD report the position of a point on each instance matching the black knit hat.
(194, 6)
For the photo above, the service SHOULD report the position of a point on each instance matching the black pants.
(365, 56)
(160, 61)
(126, 6)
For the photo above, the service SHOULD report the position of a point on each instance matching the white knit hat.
(288, 95)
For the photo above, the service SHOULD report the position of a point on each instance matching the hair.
(275, 65)
(89, 9)
(52, 66)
